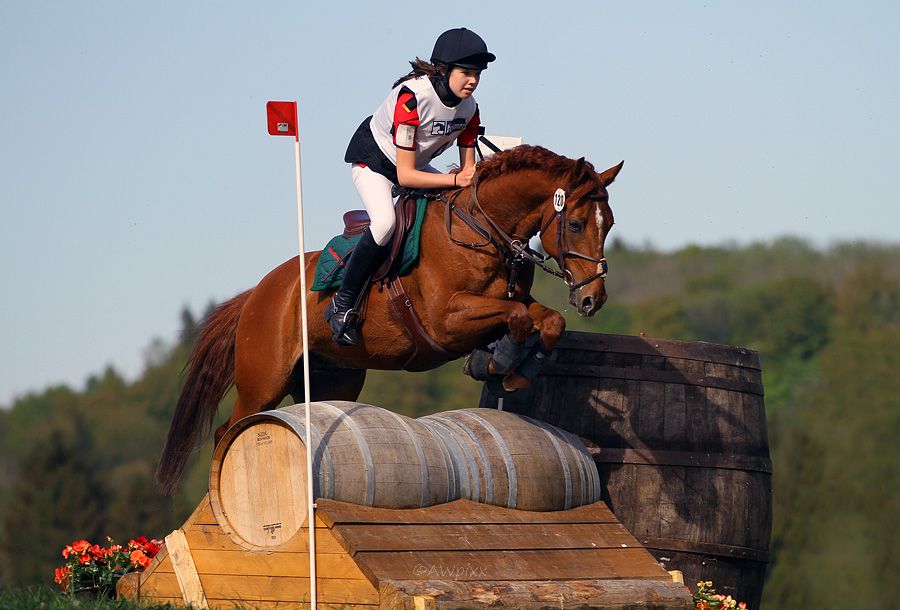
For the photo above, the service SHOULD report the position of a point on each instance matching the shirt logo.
(443, 128)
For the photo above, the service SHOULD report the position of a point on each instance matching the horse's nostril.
(587, 304)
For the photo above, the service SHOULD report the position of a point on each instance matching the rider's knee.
(382, 229)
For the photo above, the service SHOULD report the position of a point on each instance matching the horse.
(471, 286)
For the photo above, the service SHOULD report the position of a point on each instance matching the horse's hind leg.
(259, 388)
(328, 382)
(245, 405)
(267, 343)
(242, 408)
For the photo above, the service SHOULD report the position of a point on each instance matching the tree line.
(78, 463)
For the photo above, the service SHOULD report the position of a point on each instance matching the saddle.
(356, 221)
(387, 276)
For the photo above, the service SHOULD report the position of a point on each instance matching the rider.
(425, 111)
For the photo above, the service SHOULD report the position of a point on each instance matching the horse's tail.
(210, 376)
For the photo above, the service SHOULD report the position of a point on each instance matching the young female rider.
(426, 110)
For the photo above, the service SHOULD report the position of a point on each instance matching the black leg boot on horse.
(342, 314)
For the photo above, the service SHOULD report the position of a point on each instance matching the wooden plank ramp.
(457, 555)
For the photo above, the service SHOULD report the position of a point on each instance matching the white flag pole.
(310, 450)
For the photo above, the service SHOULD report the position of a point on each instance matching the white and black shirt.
(413, 117)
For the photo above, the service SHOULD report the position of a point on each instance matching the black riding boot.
(341, 314)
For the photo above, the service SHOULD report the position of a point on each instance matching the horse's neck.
(514, 200)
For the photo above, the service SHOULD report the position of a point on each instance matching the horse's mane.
(525, 157)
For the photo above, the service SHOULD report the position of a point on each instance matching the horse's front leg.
(517, 355)
(549, 324)
(470, 315)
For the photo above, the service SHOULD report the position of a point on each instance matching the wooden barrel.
(371, 456)
(515, 461)
(678, 432)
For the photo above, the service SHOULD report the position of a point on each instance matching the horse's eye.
(575, 226)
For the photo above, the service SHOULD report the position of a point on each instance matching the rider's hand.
(465, 176)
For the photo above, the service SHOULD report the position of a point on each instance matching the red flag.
(282, 118)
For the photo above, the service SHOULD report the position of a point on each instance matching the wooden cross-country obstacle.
(678, 432)
(457, 555)
(246, 543)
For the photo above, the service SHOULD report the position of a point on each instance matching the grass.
(45, 598)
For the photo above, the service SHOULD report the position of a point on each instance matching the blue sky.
(136, 175)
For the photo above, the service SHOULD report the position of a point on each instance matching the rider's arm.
(466, 157)
(466, 141)
(406, 122)
(409, 176)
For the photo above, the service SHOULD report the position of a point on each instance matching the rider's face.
(464, 81)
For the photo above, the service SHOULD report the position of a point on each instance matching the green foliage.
(837, 461)
(135, 505)
(661, 316)
(79, 465)
(418, 394)
(45, 598)
(785, 318)
(57, 491)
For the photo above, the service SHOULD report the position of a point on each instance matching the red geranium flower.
(152, 547)
(93, 567)
(139, 559)
(61, 577)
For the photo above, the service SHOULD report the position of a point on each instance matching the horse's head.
(574, 226)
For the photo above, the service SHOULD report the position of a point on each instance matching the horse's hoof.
(495, 387)
(514, 381)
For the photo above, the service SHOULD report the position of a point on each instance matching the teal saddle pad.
(330, 269)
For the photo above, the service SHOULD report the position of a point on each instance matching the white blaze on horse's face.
(598, 216)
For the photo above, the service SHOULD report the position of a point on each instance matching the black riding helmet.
(463, 48)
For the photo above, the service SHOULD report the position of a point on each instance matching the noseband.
(515, 251)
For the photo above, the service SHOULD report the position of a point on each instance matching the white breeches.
(375, 192)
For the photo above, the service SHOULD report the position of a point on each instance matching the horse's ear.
(578, 170)
(606, 178)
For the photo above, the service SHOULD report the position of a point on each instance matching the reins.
(516, 252)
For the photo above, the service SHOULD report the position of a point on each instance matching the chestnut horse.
(460, 290)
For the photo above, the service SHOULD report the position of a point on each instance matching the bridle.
(562, 245)
(516, 251)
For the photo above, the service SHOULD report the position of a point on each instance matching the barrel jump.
(476, 508)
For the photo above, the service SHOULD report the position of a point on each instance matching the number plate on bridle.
(559, 200)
